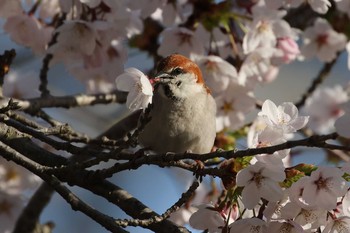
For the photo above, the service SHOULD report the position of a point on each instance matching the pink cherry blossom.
(288, 50)
(260, 181)
(139, 88)
(322, 41)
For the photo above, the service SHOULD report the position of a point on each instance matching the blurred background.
(156, 187)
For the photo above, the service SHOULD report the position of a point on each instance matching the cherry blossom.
(48, 8)
(84, 43)
(266, 27)
(343, 6)
(10, 208)
(173, 13)
(284, 117)
(322, 41)
(27, 31)
(323, 187)
(348, 51)
(180, 40)
(10, 8)
(270, 137)
(147, 7)
(98, 70)
(213, 219)
(217, 73)
(232, 105)
(260, 181)
(324, 107)
(305, 217)
(346, 204)
(339, 225)
(248, 225)
(342, 124)
(319, 6)
(139, 88)
(22, 84)
(15, 179)
(285, 227)
(288, 50)
(256, 66)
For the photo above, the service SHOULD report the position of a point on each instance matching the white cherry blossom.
(342, 124)
(214, 221)
(217, 73)
(10, 208)
(139, 87)
(324, 107)
(285, 227)
(256, 66)
(27, 31)
(260, 181)
(269, 137)
(232, 105)
(266, 27)
(322, 41)
(14, 179)
(10, 8)
(285, 117)
(323, 187)
(339, 225)
(248, 225)
(173, 13)
(180, 40)
(22, 84)
(343, 6)
(85, 41)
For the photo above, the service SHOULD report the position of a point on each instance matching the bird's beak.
(160, 77)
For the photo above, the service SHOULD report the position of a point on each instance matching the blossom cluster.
(91, 38)
(15, 181)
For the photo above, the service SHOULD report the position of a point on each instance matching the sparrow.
(182, 113)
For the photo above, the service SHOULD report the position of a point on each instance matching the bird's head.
(178, 77)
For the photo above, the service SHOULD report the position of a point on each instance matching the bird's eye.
(177, 71)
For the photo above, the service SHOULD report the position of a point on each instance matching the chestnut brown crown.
(174, 61)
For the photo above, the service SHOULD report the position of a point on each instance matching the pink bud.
(289, 48)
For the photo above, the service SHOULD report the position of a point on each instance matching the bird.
(182, 113)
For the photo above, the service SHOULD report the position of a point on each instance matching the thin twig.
(322, 75)
(146, 222)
